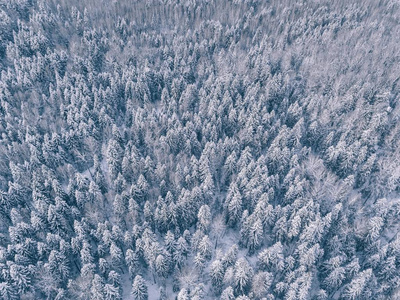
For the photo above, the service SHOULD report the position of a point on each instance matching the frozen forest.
(199, 149)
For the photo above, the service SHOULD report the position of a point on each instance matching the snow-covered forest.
(199, 149)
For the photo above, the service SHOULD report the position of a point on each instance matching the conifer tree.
(139, 288)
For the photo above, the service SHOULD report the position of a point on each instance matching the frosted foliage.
(199, 150)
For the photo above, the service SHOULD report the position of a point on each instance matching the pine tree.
(199, 262)
(356, 288)
(161, 266)
(86, 255)
(228, 294)
(111, 292)
(183, 294)
(117, 256)
(7, 291)
(335, 278)
(204, 217)
(58, 265)
(234, 207)
(243, 276)
(255, 235)
(169, 242)
(261, 283)
(114, 157)
(139, 288)
(21, 277)
(96, 291)
(198, 293)
(104, 266)
(204, 246)
(181, 250)
(231, 256)
(119, 183)
(272, 258)
(217, 273)
(140, 190)
(132, 261)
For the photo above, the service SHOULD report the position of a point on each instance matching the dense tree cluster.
(220, 149)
